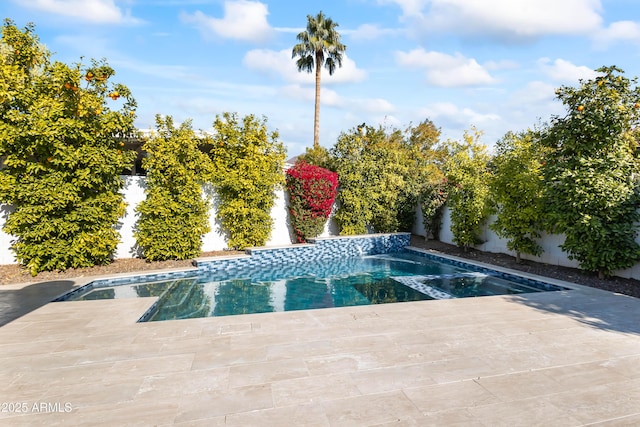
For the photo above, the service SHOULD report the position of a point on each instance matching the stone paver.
(566, 358)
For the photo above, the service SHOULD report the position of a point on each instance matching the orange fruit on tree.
(580, 107)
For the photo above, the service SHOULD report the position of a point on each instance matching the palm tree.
(319, 45)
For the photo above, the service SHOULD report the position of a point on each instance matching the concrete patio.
(568, 358)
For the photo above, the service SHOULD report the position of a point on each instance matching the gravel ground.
(12, 274)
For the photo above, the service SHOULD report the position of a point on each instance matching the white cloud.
(331, 98)
(621, 31)
(446, 70)
(243, 20)
(501, 65)
(533, 93)
(281, 64)
(94, 11)
(374, 105)
(564, 71)
(503, 18)
(370, 32)
(409, 7)
(307, 94)
(451, 113)
(453, 120)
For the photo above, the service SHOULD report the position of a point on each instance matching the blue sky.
(492, 64)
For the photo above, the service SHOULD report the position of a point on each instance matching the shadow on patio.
(15, 303)
(598, 309)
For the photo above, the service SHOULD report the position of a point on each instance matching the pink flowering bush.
(312, 192)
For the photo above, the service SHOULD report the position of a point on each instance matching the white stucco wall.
(6, 256)
(214, 240)
(492, 243)
(134, 187)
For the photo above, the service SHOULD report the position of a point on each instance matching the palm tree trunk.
(316, 116)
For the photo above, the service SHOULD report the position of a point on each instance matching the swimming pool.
(409, 275)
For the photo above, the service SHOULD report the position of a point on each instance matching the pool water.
(375, 279)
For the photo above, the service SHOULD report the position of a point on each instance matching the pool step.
(416, 283)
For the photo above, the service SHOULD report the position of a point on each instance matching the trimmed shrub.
(248, 163)
(517, 192)
(468, 177)
(174, 216)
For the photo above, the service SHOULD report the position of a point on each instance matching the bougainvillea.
(312, 191)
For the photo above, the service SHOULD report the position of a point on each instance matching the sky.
(492, 65)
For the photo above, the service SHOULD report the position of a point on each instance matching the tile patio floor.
(568, 358)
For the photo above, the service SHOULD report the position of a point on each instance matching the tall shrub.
(432, 201)
(312, 192)
(60, 130)
(382, 174)
(174, 215)
(426, 183)
(248, 163)
(316, 155)
(358, 169)
(517, 192)
(591, 173)
(468, 177)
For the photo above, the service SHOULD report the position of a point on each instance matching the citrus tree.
(467, 172)
(591, 172)
(248, 163)
(517, 188)
(174, 216)
(60, 141)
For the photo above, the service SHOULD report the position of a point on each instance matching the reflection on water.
(242, 296)
(335, 283)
